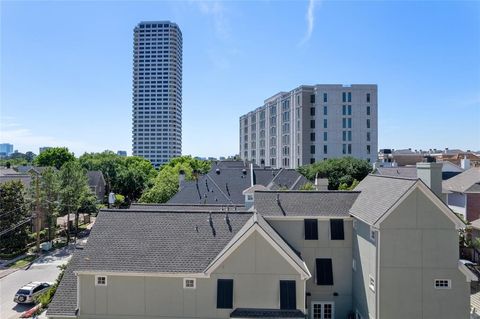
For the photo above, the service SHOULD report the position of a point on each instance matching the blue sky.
(66, 67)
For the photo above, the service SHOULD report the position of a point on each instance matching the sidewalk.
(5, 271)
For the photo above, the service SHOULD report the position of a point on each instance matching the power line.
(15, 227)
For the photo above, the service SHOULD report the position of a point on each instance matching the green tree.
(339, 171)
(308, 187)
(49, 194)
(128, 176)
(73, 189)
(165, 185)
(56, 156)
(14, 217)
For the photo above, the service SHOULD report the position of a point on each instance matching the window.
(349, 122)
(312, 160)
(336, 229)
(344, 110)
(189, 283)
(371, 282)
(344, 122)
(298, 100)
(368, 123)
(325, 97)
(325, 123)
(368, 97)
(311, 229)
(288, 298)
(325, 149)
(349, 110)
(344, 148)
(344, 97)
(372, 234)
(368, 136)
(100, 280)
(312, 123)
(312, 137)
(312, 149)
(225, 293)
(312, 111)
(349, 96)
(368, 110)
(443, 284)
(344, 136)
(312, 98)
(368, 149)
(325, 136)
(324, 272)
(325, 110)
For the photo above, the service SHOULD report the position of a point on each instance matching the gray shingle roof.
(64, 302)
(377, 195)
(304, 203)
(266, 313)
(187, 207)
(226, 185)
(95, 177)
(465, 182)
(160, 242)
(408, 172)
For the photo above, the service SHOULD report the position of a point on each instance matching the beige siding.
(418, 245)
(340, 251)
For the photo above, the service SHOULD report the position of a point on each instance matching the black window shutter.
(311, 229)
(324, 272)
(288, 297)
(336, 229)
(225, 293)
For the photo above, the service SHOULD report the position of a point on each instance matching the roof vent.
(217, 171)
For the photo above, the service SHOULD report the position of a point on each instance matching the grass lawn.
(23, 262)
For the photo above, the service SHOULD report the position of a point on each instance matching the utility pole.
(38, 212)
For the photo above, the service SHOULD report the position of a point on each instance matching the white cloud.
(217, 11)
(23, 139)
(310, 18)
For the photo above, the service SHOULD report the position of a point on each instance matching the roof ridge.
(394, 177)
(206, 211)
(294, 191)
(218, 187)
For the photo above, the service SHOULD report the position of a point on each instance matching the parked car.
(27, 293)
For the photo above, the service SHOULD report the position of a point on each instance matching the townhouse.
(388, 249)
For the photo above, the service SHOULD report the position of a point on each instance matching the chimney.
(181, 179)
(430, 172)
(446, 150)
(465, 163)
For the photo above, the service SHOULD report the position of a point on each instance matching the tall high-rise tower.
(157, 91)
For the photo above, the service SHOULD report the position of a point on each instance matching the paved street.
(44, 269)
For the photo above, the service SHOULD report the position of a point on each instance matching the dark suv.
(27, 293)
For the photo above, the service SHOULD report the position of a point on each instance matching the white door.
(323, 310)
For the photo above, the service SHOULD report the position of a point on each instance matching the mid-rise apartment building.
(157, 91)
(312, 123)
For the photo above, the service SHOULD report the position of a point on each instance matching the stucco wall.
(255, 267)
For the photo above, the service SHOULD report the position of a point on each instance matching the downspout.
(251, 174)
(377, 277)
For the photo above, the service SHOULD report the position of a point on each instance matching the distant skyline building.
(43, 149)
(122, 153)
(6, 149)
(157, 91)
(312, 123)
